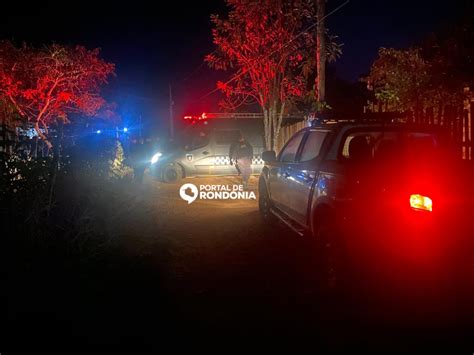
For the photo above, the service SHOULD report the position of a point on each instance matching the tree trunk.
(272, 120)
(267, 129)
(277, 127)
(274, 123)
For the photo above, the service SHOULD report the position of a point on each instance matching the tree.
(450, 53)
(269, 46)
(47, 84)
(432, 75)
(399, 78)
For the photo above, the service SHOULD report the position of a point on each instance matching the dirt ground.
(234, 283)
(211, 252)
(202, 276)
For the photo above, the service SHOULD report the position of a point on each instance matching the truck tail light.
(421, 203)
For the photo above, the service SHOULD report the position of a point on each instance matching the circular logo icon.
(189, 193)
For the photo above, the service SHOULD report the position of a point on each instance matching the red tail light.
(421, 203)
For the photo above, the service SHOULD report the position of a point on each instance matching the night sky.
(154, 45)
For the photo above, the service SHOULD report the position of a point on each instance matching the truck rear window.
(383, 145)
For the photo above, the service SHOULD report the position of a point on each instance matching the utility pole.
(320, 84)
(171, 114)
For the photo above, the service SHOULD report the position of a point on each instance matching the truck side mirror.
(269, 156)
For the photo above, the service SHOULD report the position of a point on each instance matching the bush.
(117, 167)
(69, 204)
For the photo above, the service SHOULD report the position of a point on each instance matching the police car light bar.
(205, 115)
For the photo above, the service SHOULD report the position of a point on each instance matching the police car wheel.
(172, 174)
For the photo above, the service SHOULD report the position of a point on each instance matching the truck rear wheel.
(331, 254)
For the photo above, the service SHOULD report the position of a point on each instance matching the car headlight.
(155, 158)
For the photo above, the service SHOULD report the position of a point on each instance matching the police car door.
(199, 153)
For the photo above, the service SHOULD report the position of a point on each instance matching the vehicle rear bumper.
(413, 265)
(410, 237)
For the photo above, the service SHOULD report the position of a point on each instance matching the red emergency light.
(203, 116)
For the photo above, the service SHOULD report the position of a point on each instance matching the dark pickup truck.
(379, 196)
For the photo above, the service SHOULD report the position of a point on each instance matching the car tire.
(331, 259)
(265, 204)
(172, 173)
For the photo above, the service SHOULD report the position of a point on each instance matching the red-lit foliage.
(267, 47)
(46, 84)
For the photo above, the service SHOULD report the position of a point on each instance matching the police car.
(204, 149)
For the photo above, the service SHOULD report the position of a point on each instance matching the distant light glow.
(125, 129)
(98, 131)
(155, 157)
(30, 133)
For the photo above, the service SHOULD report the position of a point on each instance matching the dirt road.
(234, 282)
(202, 276)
